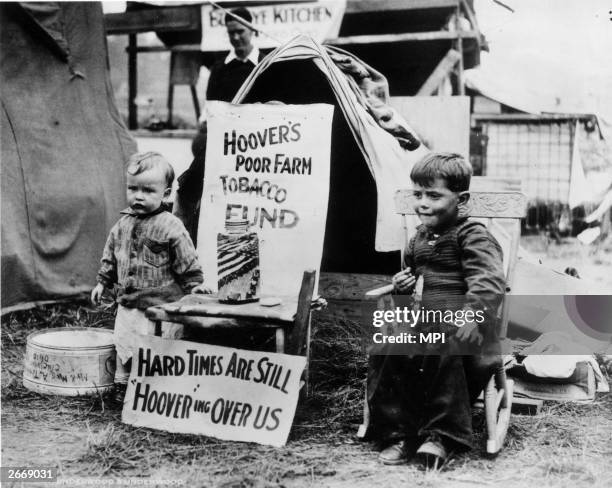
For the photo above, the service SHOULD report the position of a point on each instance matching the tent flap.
(63, 153)
(388, 157)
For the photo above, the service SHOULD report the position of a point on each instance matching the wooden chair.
(499, 205)
(291, 325)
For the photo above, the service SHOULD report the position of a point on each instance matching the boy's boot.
(433, 453)
(395, 454)
(118, 395)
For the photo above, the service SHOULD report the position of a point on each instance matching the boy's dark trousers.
(414, 397)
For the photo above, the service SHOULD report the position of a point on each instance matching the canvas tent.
(63, 149)
(368, 163)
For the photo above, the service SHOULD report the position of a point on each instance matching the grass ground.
(566, 445)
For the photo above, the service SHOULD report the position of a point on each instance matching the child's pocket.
(156, 253)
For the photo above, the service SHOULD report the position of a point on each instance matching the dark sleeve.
(212, 89)
(191, 182)
(409, 254)
(483, 268)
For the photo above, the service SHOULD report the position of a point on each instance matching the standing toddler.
(148, 257)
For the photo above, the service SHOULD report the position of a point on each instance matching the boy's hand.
(96, 294)
(469, 333)
(201, 288)
(404, 280)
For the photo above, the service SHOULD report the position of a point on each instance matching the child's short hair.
(451, 167)
(151, 160)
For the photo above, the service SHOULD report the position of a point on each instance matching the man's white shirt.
(253, 57)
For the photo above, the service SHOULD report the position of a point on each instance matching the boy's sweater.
(462, 267)
(150, 251)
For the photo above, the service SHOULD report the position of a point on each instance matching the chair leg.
(170, 104)
(498, 405)
(196, 102)
(307, 367)
(490, 395)
(280, 340)
(363, 428)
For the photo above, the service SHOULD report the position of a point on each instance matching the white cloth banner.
(579, 191)
(268, 164)
(320, 20)
(230, 394)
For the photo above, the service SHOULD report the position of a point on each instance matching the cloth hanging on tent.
(374, 88)
(579, 189)
(389, 163)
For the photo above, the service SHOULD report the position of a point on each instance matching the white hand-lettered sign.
(321, 20)
(227, 393)
(268, 165)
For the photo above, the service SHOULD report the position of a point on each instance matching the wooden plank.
(210, 323)
(520, 405)
(164, 49)
(441, 71)
(210, 306)
(465, 7)
(361, 6)
(188, 134)
(405, 37)
(459, 45)
(531, 117)
(526, 406)
(159, 20)
(132, 83)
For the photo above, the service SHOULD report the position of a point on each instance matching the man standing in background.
(228, 75)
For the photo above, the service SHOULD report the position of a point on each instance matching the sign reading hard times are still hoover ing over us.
(227, 393)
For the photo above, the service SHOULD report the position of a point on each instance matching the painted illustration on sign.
(238, 263)
(267, 168)
(227, 393)
(321, 20)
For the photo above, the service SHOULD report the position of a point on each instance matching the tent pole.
(460, 80)
(132, 82)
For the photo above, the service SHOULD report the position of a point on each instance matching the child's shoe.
(117, 396)
(432, 453)
(394, 454)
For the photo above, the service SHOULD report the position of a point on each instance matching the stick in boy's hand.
(404, 280)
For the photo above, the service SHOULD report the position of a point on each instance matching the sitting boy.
(421, 402)
(149, 256)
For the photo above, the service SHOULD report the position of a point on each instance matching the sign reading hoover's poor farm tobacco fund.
(267, 165)
(230, 394)
(321, 20)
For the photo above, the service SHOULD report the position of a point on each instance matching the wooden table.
(207, 312)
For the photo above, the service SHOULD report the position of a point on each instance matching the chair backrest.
(497, 203)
